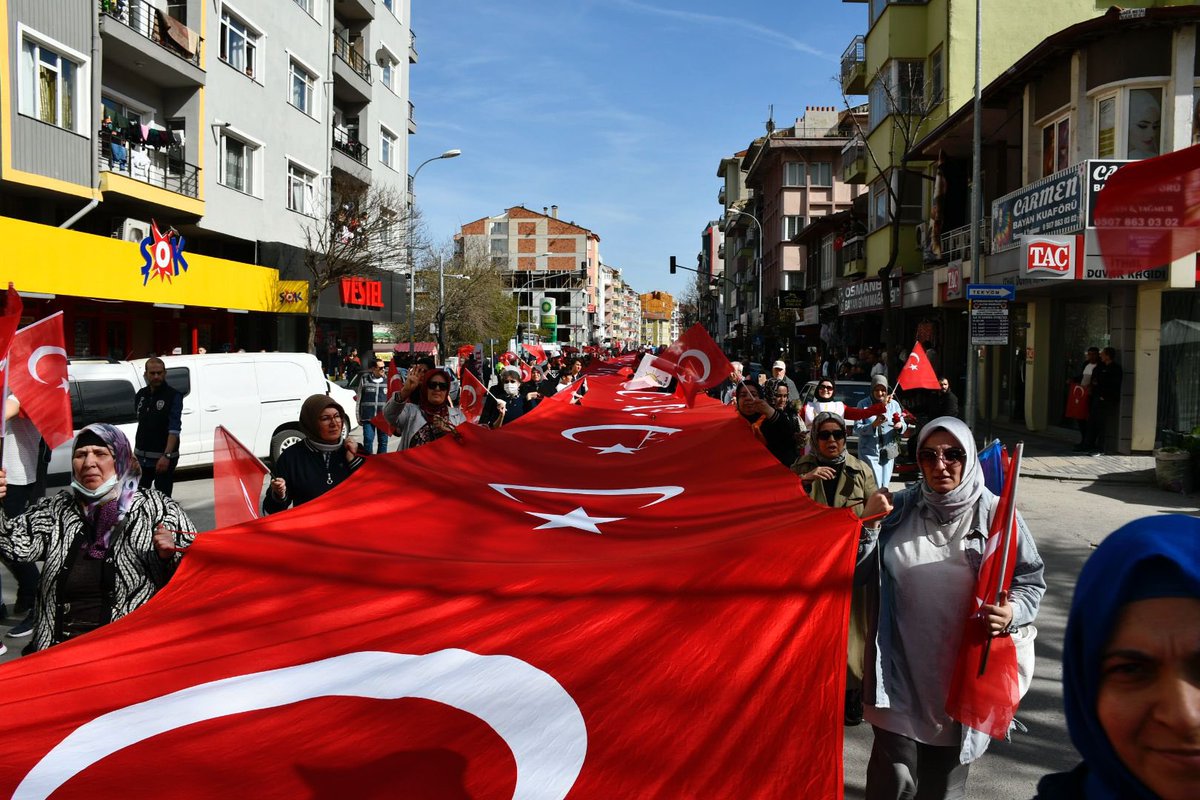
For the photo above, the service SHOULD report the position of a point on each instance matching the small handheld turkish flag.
(696, 361)
(526, 372)
(38, 376)
(237, 480)
(1077, 401)
(536, 351)
(918, 372)
(471, 396)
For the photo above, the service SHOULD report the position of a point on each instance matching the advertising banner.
(861, 297)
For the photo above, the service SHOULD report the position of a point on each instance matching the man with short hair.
(372, 397)
(779, 376)
(159, 410)
(1105, 401)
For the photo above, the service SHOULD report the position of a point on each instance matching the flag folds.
(37, 375)
(917, 372)
(696, 361)
(471, 396)
(588, 603)
(537, 352)
(237, 480)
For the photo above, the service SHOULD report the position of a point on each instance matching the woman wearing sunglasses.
(431, 415)
(837, 479)
(920, 567)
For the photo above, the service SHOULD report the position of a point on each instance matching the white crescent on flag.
(663, 492)
(700, 356)
(913, 360)
(534, 715)
(649, 431)
(467, 390)
(40, 353)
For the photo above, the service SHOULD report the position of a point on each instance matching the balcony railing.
(343, 50)
(157, 26)
(956, 244)
(854, 58)
(412, 112)
(149, 165)
(343, 141)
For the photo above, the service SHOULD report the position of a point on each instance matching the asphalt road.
(1068, 519)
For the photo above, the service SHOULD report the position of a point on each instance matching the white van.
(256, 396)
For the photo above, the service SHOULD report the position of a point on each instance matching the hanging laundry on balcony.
(177, 33)
(139, 162)
(120, 156)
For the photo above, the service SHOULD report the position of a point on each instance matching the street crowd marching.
(588, 590)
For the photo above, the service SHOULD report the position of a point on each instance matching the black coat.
(308, 474)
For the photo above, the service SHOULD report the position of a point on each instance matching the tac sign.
(1049, 257)
(163, 253)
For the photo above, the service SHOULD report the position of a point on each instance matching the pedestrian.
(920, 567)
(880, 366)
(727, 390)
(824, 401)
(421, 411)
(879, 436)
(352, 365)
(516, 400)
(783, 403)
(159, 410)
(769, 425)
(321, 460)
(946, 402)
(21, 440)
(834, 478)
(779, 375)
(372, 396)
(108, 544)
(1131, 667)
(1085, 381)
(1104, 404)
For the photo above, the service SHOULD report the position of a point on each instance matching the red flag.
(537, 352)
(542, 625)
(39, 377)
(917, 372)
(696, 361)
(9, 321)
(1077, 401)
(984, 692)
(526, 371)
(1148, 213)
(471, 396)
(237, 480)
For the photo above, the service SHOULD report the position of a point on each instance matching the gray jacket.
(1025, 595)
(407, 418)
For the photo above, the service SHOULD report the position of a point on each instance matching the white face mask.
(98, 492)
(511, 388)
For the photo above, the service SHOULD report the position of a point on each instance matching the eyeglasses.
(438, 386)
(951, 455)
(327, 419)
(825, 436)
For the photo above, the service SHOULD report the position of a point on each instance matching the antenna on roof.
(770, 119)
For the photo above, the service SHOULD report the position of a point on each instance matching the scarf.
(963, 497)
(1152, 557)
(103, 514)
(840, 458)
(437, 417)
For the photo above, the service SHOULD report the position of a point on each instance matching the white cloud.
(758, 31)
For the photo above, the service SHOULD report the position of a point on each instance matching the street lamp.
(736, 212)
(412, 265)
(441, 315)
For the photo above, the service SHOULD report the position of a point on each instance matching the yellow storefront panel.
(40, 258)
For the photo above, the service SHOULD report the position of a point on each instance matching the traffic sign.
(991, 291)
(989, 322)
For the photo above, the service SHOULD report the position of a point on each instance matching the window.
(238, 163)
(1106, 128)
(387, 226)
(898, 89)
(936, 86)
(115, 109)
(239, 44)
(879, 206)
(302, 88)
(301, 191)
(53, 83)
(108, 401)
(387, 71)
(1056, 146)
(499, 227)
(499, 246)
(820, 173)
(307, 5)
(388, 5)
(387, 147)
(792, 225)
(793, 173)
(1129, 123)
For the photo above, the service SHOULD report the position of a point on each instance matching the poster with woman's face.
(1145, 123)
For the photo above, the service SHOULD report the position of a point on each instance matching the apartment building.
(710, 265)
(622, 309)
(160, 162)
(658, 311)
(542, 256)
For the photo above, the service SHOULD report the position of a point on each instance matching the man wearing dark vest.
(160, 416)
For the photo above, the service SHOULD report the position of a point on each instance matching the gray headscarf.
(823, 417)
(964, 496)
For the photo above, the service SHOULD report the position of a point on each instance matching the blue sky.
(618, 111)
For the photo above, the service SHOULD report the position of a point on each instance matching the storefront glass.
(1179, 363)
(1079, 324)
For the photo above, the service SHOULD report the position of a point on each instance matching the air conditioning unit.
(923, 236)
(134, 230)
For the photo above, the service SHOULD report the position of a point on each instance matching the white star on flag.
(616, 448)
(575, 519)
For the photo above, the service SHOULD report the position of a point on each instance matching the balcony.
(852, 258)
(140, 173)
(149, 41)
(351, 72)
(854, 67)
(358, 10)
(350, 155)
(854, 161)
(721, 196)
(956, 244)
(412, 117)
(412, 47)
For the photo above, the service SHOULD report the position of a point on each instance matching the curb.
(1139, 478)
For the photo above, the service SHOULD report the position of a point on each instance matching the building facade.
(658, 313)
(622, 310)
(161, 161)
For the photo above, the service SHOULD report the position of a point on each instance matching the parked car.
(850, 393)
(256, 396)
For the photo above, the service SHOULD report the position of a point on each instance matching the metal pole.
(441, 309)
(976, 201)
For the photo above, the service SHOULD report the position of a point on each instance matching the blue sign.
(991, 291)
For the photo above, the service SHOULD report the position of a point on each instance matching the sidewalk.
(1048, 455)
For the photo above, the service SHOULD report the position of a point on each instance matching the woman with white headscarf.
(920, 567)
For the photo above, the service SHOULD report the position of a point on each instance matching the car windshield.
(850, 394)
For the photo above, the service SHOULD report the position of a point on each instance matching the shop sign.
(362, 292)
(811, 316)
(954, 281)
(863, 296)
(790, 298)
(1049, 257)
(163, 254)
(1095, 268)
(549, 312)
(290, 298)
(1054, 204)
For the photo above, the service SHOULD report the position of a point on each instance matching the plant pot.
(1173, 470)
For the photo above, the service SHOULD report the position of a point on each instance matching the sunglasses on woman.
(824, 387)
(825, 436)
(438, 386)
(951, 455)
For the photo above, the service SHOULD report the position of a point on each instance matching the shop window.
(53, 82)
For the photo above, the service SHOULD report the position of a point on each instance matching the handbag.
(889, 452)
(1023, 638)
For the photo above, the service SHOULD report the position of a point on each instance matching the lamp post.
(441, 314)
(412, 265)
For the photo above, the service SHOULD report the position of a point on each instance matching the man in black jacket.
(159, 409)
(1105, 400)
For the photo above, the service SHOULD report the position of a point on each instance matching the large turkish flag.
(37, 375)
(585, 604)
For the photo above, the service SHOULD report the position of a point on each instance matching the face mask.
(98, 492)
(511, 388)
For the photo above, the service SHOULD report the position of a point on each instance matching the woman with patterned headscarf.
(108, 545)
(432, 416)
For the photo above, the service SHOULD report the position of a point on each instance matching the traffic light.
(673, 265)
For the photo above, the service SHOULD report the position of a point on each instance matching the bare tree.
(476, 308)
(366, 232)
(909, 101)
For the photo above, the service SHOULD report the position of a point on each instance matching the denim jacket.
(871, 439)
(1025, 594)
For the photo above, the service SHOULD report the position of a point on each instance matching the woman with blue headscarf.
(108, 545)
(1131, 667)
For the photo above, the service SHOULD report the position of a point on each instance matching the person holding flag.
(431, 416)
(921, 566)
(321, 460)
(516, 400)
(879, 437)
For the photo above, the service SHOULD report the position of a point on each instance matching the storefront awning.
(428, 348)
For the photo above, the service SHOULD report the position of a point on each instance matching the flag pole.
(1010, 530)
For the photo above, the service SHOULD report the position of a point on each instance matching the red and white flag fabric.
(917, 372)
(984, 690)
(9, 321)
(526, 371)
(471, 396)
(537, 352)
(587, 604)
(237, 480)
(37, 374)
(1148, 212)
(1078, 396)
(697, 362)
